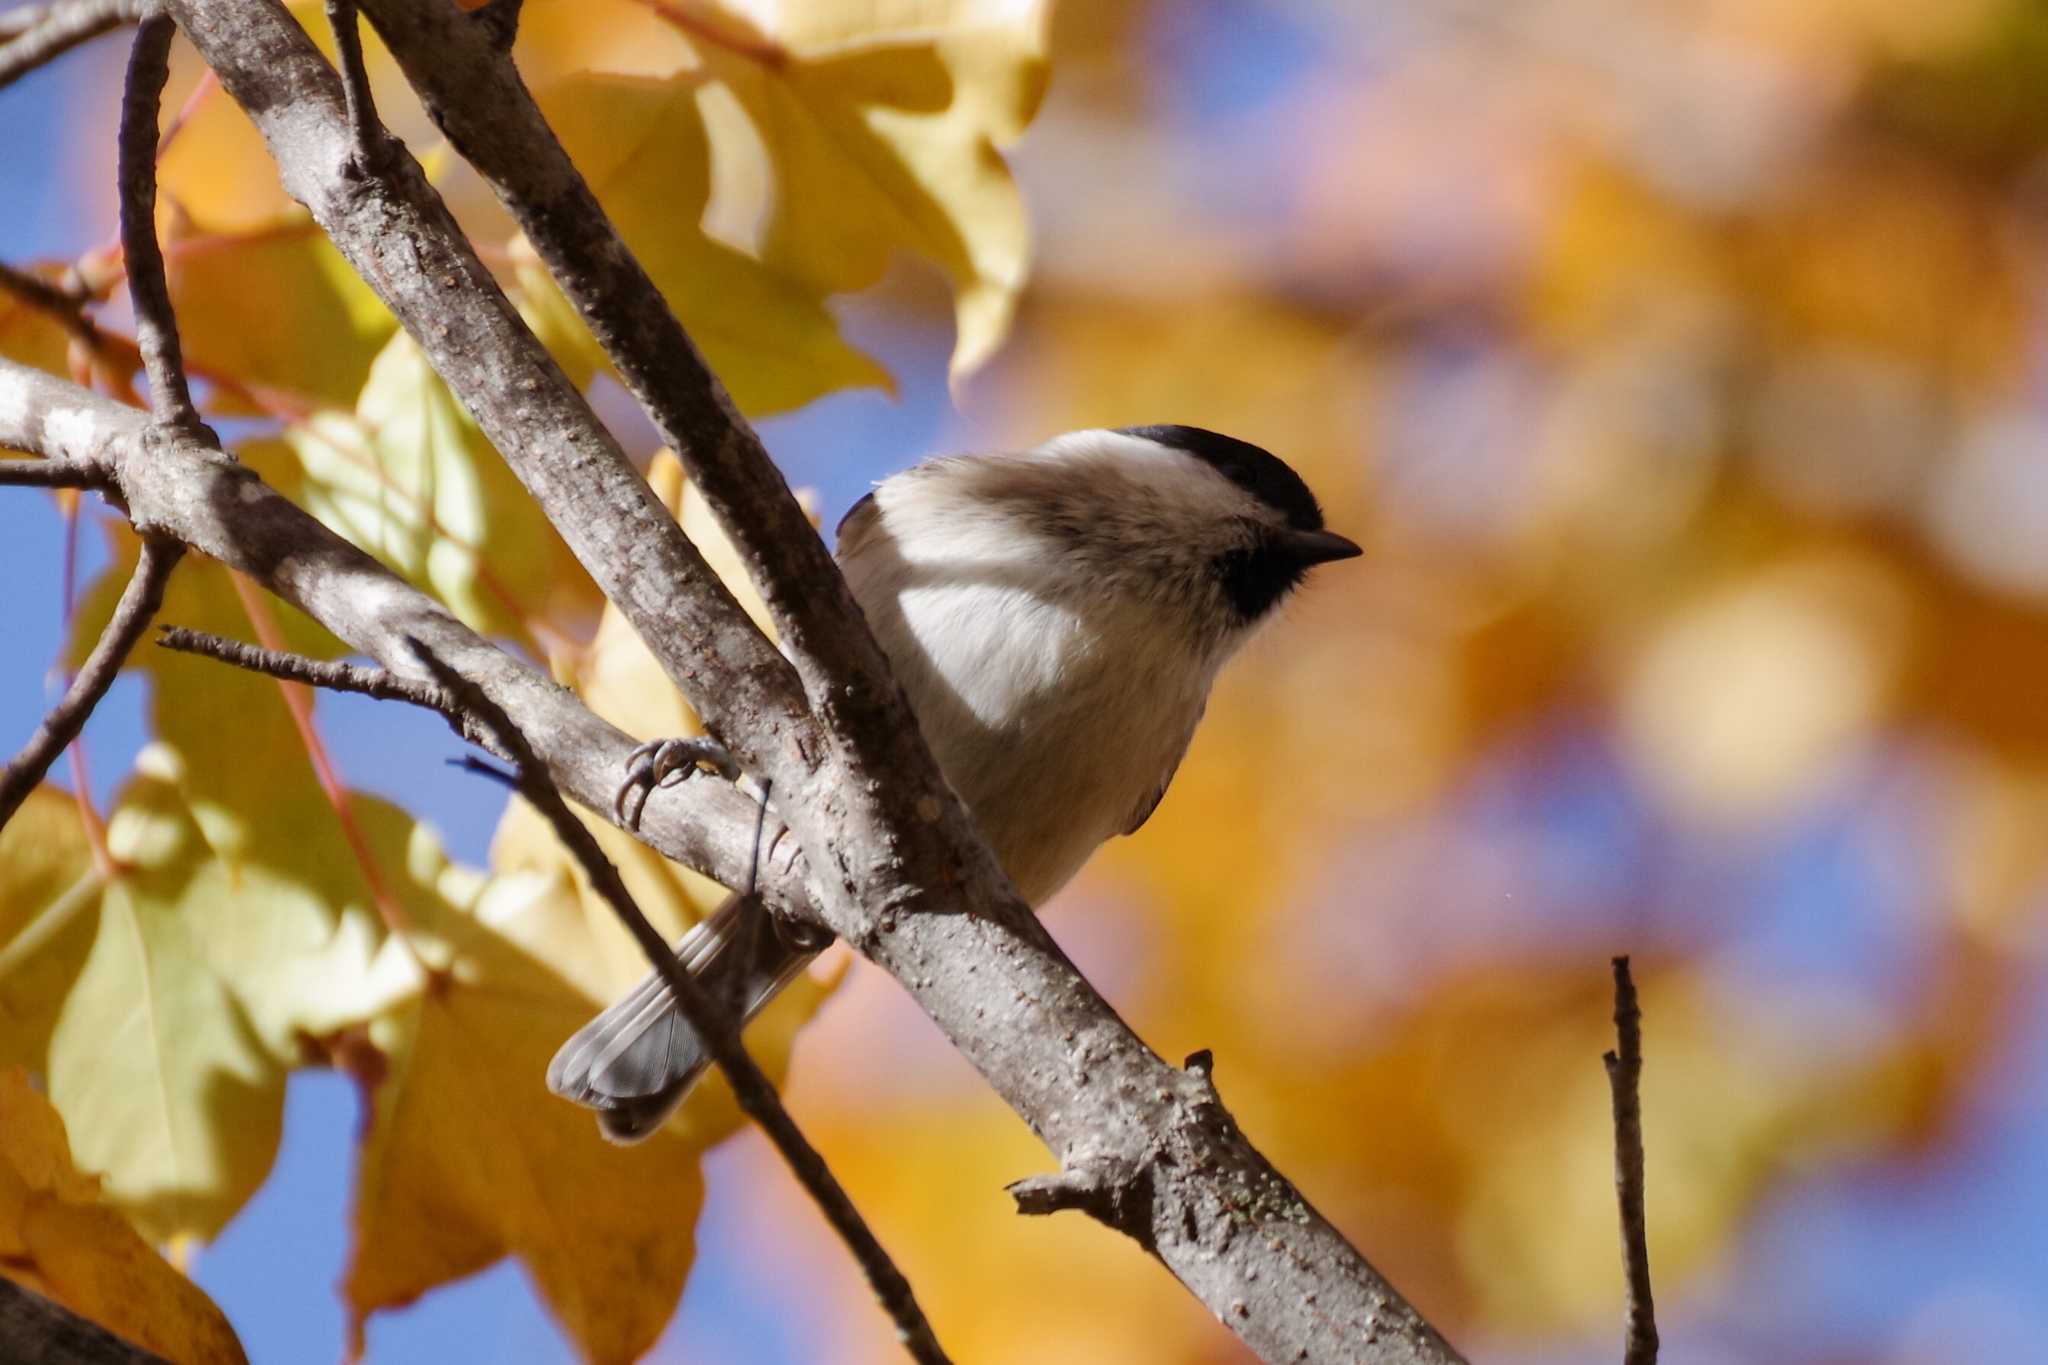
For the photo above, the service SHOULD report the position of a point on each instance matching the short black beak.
(1318, 547)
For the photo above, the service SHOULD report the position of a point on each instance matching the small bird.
(1056, 617)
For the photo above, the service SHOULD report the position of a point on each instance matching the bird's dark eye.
(1257, 575)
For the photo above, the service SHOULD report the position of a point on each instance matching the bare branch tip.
(1038, 1195)
(470, 763)
(156, 325)
(1624, 1065)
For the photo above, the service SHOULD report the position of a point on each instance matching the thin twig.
(470, 763)
(67, 306)
(1624, 1078)
(751, 1086)
(355, 80)
(54, 30)
(380, 683)
(156, 329)
(139, 602)
(41, 293)
(368, 681)
(53, 474)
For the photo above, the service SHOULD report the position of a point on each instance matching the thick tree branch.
(55, 29)
(37, 1331)
(899, 867)
(393, 228)
(187, 491)
(20, 19)
(474, 93)
(750, 1085)
(1624, 1079)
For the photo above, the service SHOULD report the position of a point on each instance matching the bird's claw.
(663, 763)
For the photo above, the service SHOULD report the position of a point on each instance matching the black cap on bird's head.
(1258, 576)
(1258, 472)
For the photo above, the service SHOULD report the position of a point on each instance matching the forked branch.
(902, 873)
(190, 492)
(750, 1085)
(471, 712)
(899, 868)
(148, 67)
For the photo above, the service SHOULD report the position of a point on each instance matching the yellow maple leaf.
(167, 984)
(642, 145)
(776, 164)
(467, 1159)
(882, 126)
(57, 1238)
(311, 341)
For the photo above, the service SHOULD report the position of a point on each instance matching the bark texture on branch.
(394, 229)
(1148, 1149)
(188, 492)
(894, 863)
(750, 1085)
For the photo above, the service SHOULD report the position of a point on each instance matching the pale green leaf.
(411, 479)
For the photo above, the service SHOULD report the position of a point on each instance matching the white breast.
(1055, 714)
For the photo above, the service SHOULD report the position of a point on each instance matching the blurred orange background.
(1680, 367)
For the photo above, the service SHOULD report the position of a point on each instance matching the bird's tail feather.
(635, 1062)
